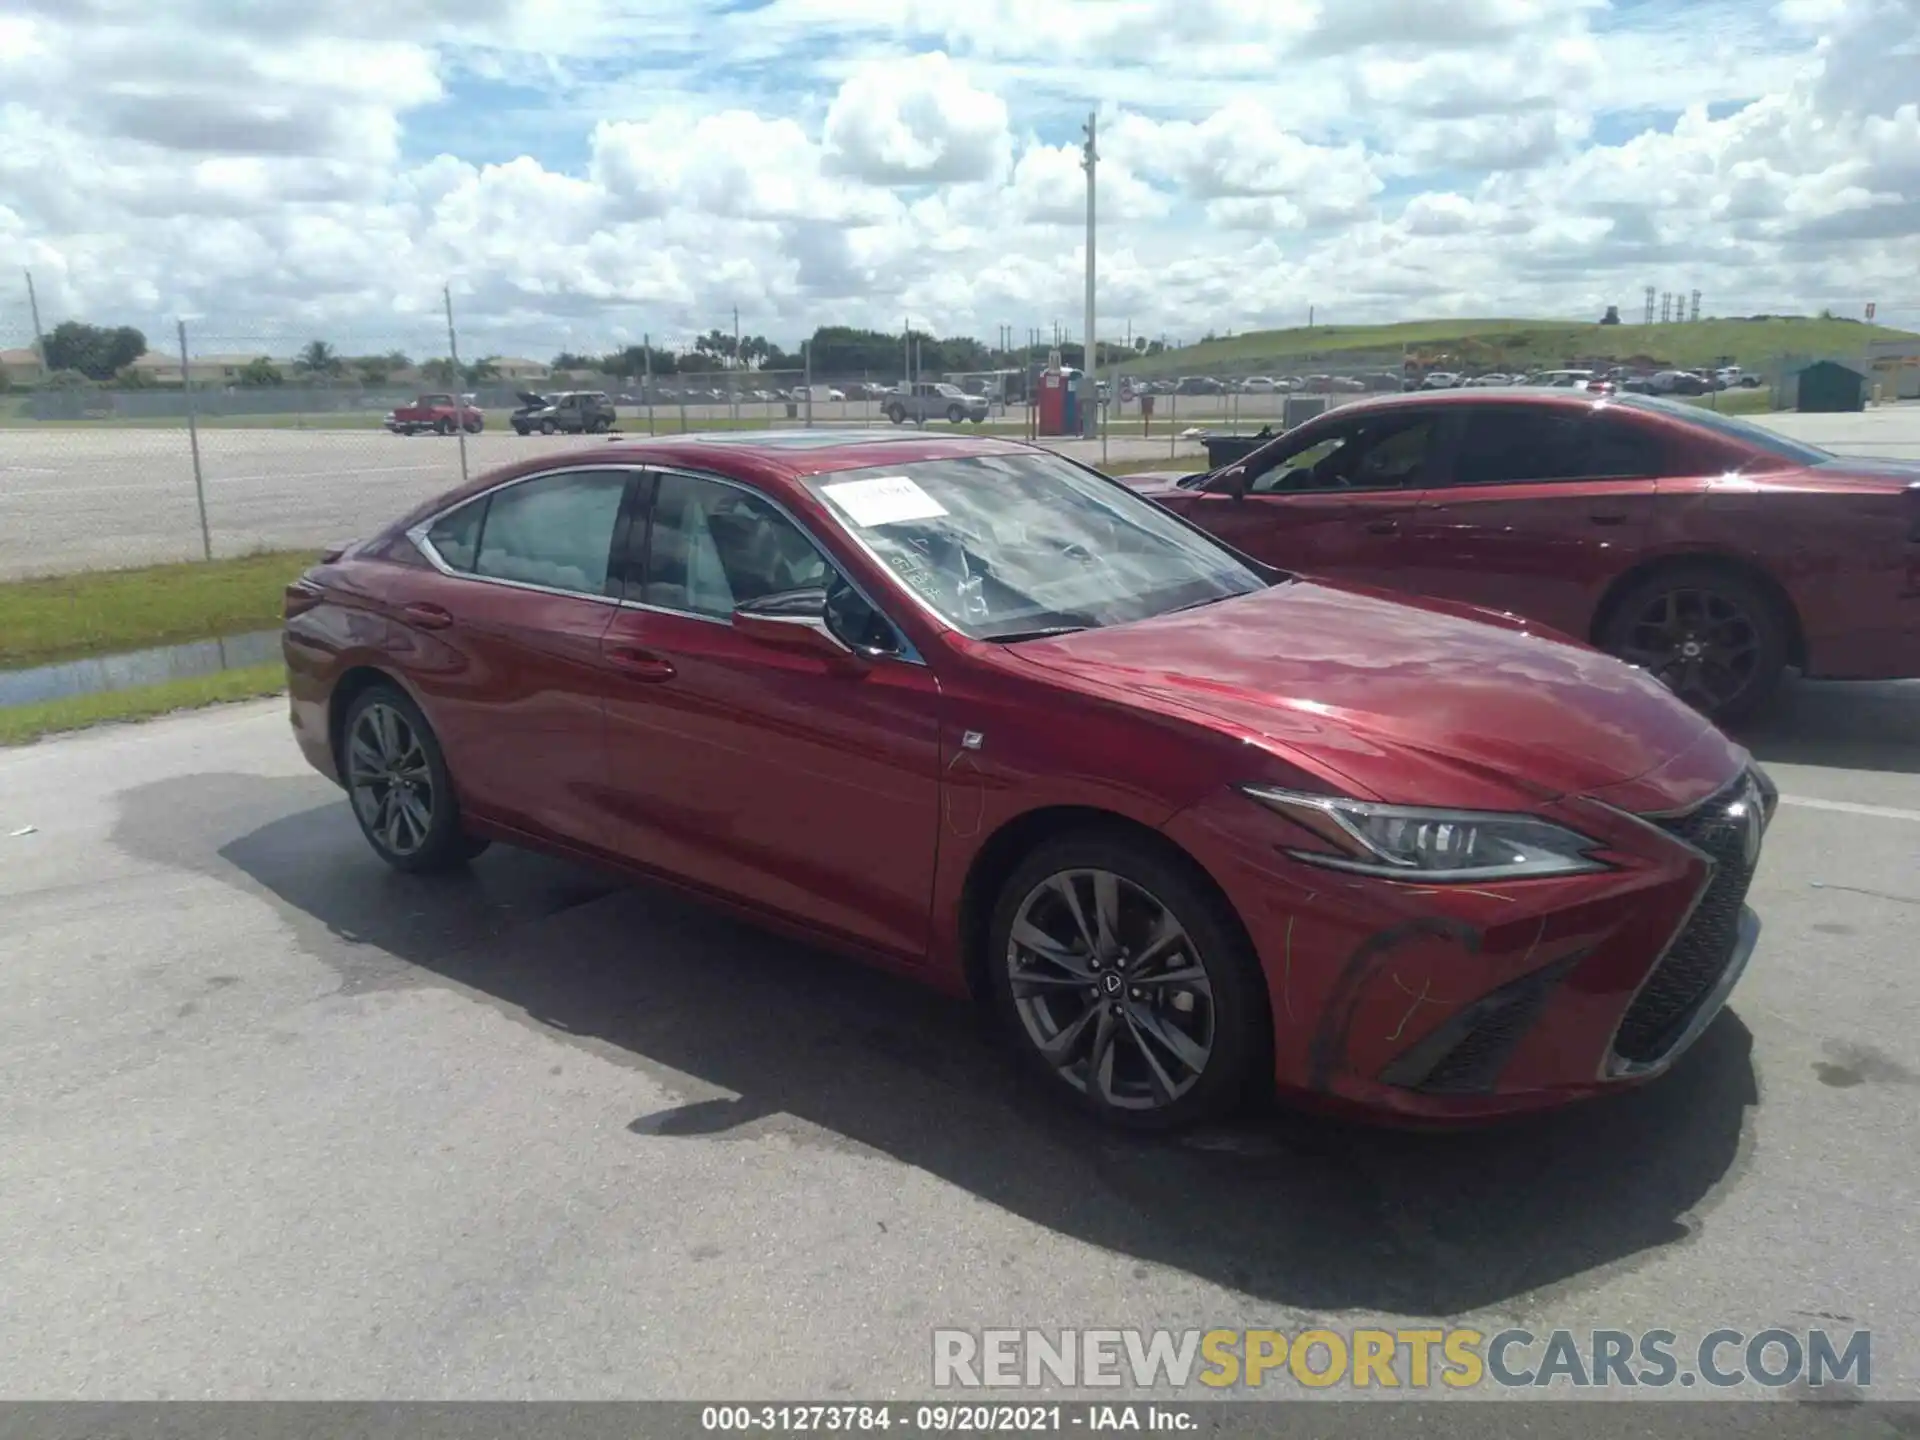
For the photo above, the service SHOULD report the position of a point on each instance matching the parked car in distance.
(1678, 382)
(435, 414)
(934, 400)
(1194, 827)
(1713, 552)
(571, 412)
(1564, 379)
(824, 394)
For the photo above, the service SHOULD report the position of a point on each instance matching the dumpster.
(1225, 449)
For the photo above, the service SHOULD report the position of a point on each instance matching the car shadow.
(755, 1033)
(1836, 725)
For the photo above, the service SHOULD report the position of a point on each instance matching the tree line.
(76, 353)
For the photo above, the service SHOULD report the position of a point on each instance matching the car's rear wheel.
(1121, 978)
(1707, 633)
(547, 427)
(897, 414)
(398, 782)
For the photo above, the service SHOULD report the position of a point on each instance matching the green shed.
(1826, 387)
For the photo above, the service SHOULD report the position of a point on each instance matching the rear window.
(1742, 432)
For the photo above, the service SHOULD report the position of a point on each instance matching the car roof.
(768, 457)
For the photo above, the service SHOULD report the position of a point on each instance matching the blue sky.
(583, 171)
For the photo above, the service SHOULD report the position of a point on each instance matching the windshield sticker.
(889, 500)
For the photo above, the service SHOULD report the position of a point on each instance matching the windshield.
(1010, 546)
(1744, 431)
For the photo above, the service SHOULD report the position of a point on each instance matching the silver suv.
(934, 400)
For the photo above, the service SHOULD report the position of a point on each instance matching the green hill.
(1754, 344)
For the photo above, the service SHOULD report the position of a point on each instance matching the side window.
(1381, 453)
(1506, 447)
(556, 531)
(456, 537)
(1619, 449)
(712, 547)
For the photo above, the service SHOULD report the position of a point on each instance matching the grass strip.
(21, 724)
(104, 612)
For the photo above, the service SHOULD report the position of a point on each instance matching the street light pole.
(1090, 361)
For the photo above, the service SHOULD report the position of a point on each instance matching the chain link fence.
(217, 441)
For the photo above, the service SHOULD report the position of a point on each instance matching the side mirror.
(796, 620)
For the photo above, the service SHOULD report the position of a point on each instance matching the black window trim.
(421, 534)
(632, 567)
(1584, 418)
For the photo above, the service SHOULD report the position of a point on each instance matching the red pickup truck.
(436, 413)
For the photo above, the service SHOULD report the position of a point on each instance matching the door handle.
(640, 664)
(1383, 527)
(1608, 517)
(427, 617)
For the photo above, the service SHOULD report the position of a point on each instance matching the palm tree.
(318, 359)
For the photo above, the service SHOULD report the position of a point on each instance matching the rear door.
(1535, 510)
(1336, 501)
(505, 653)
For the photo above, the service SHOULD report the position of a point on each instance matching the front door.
(1335, 503)
(1538, 509)
(783, 779)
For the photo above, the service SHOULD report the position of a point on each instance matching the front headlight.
(1406, 842)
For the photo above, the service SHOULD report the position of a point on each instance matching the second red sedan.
(1195, 826)
(1712, 552)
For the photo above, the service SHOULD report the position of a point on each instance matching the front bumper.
(1452, 1003)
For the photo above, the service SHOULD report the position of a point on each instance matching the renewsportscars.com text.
(1405, 1359)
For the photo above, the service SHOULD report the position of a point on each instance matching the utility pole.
(733, 380)
(1090, 370)
(33, 308)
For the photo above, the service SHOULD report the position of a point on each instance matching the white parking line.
(1848, 807)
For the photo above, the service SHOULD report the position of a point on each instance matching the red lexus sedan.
(1195, 826)
(1710, 551)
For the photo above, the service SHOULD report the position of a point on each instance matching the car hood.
(530, 401)
(1371, 686)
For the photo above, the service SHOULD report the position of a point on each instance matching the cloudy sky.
(582, 171)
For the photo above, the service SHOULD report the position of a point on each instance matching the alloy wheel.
(1111, 990)
(1702, 645)
(390, 779)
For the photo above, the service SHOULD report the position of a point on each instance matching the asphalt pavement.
(282, 1124)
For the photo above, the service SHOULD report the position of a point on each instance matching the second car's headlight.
(1406, 842)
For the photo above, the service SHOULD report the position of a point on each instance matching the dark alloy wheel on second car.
(1194, 827)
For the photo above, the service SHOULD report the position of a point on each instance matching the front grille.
(1466, 1055)
(1699, 955)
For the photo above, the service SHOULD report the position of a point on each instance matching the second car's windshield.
(1005, 546)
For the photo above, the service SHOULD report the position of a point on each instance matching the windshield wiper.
(1011, 636)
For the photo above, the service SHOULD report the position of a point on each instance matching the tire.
(1739, 627)
(474, 427)
(520, 430)
(385, 731)
(443, 427)
(955, 414)
(547, 427)
(897, 414)
(1229, 999)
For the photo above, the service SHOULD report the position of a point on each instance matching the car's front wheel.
(1124, 980)
(547, 427)
(1707, 633)
(398, 783)
(897, 414)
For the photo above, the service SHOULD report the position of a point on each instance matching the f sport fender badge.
(972, 740)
